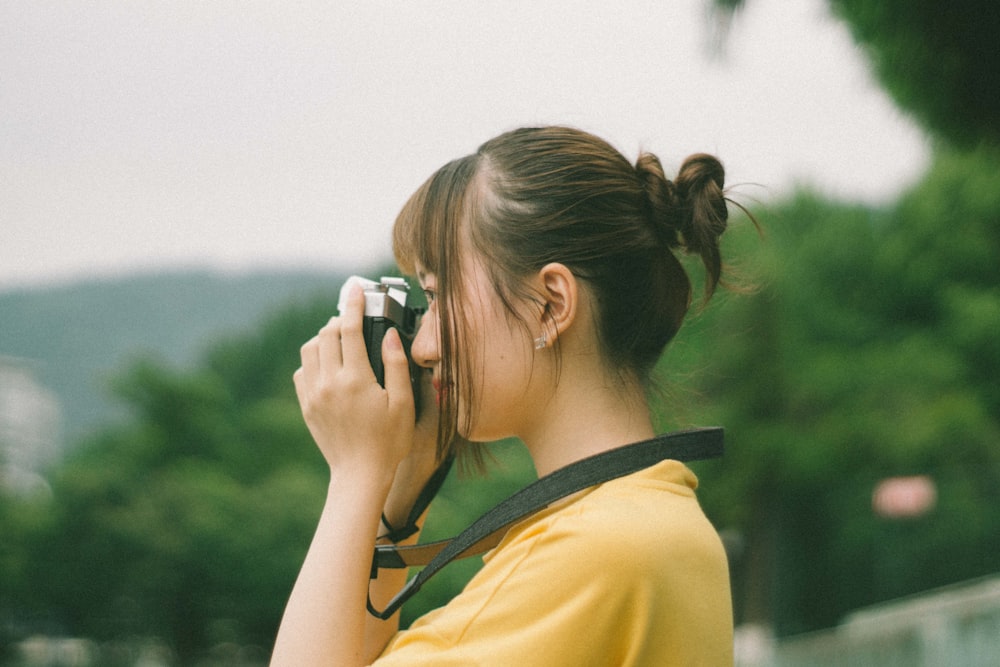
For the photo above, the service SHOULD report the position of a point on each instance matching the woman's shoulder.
(640, 519)
(628, 566)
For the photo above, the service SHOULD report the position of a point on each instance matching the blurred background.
(184, 186)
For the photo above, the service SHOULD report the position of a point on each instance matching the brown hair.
(534, 196)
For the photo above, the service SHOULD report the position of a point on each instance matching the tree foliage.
(869, 352)
(186, 521)
(938, 61)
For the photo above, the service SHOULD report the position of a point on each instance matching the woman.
(549, 265)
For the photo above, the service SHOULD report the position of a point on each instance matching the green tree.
(189, 520)
(939, 62)
(872, 349)
(936, 61)
(868, 352)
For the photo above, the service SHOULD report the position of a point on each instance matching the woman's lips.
(439, 391)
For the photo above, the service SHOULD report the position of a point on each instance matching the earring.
(541, 341)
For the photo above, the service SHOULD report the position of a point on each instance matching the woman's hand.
(379, 458)
(357, 425)
(363, 431)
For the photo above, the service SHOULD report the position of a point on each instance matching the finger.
(397, 375)
(328, 352)
(355, 354)
(298, 379)
(309, 353)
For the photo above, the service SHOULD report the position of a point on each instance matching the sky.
(139, 136)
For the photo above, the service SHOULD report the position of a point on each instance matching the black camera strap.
(487, 531)
(427, 494)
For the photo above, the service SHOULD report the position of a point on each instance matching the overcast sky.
(144, 135)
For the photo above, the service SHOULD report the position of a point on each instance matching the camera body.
(387, 305)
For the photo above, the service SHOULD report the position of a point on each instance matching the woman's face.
(495, 346)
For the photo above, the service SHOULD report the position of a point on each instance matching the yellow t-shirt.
(626, 573)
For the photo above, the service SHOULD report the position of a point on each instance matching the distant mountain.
(77, 336)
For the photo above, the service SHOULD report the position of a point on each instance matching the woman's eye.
(430, 295)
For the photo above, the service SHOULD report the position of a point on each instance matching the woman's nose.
(424, 348)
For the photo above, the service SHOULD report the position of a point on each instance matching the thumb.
(397, 374)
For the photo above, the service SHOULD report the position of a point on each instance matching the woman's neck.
(583, 419)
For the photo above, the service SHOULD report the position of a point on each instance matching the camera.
(387, 305)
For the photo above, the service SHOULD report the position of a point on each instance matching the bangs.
(428, 232)
(426, 229)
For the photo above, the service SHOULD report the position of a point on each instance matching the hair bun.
(700, 184)
(701, 171)
(690, 213)
(663, 201)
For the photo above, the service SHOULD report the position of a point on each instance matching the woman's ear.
(559, 291)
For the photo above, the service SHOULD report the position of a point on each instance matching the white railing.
(957, 626)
